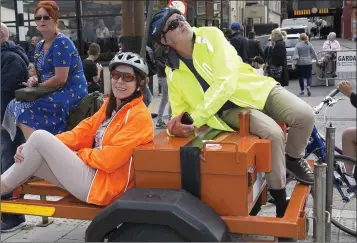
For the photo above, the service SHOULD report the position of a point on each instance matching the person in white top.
(102, 31)
(258, 64)
(331, 46)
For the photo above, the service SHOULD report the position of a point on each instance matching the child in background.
(32, 73)
(258, 64)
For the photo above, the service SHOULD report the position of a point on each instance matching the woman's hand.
(31, 82)
(19, 156)
(345, 87)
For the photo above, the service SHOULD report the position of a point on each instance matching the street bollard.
(320, 202)
(330, 158)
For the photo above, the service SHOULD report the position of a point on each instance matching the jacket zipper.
(102, 139)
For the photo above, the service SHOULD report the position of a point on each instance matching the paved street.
(342, 115)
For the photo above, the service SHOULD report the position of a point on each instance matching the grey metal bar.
(330, 158)
(319, 202)
(147, 30)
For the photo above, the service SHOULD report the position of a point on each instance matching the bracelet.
(169, 134)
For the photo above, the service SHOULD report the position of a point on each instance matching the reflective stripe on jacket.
(130, 127)
(216, 60)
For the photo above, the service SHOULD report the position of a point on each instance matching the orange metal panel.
(224, 167)
(292, 225)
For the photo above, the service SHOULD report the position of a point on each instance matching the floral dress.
(50, 112)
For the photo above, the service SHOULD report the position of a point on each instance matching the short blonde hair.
(276, 35)
(304, 38)
(285, 35)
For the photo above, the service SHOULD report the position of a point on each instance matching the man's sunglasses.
(174, 24)
(126, 77)
(44, 17)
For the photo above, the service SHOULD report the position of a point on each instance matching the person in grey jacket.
(302, 58)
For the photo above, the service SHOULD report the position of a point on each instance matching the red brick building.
(349, 20)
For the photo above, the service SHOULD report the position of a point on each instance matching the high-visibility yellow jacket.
(218, 63)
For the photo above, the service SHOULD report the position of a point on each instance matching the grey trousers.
(164, 99)
(48, 158)
(281, 106)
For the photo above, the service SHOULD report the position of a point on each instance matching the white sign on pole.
(346, 61)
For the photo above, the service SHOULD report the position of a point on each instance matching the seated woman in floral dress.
(59, 65)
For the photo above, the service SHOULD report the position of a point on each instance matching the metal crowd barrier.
(332, 65)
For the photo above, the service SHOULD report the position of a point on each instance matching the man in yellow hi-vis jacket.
(207, 79)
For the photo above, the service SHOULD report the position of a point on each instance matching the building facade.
(330, 11)
(83, 20)
(349, 25)
(237, 11)
(262, 12)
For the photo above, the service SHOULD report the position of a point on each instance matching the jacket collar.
(134, 102)
(173, 59)
(129, 105)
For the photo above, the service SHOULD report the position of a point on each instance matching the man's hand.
(176, 128)
(345, 87)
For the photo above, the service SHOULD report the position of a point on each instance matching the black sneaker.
(12, 222)
(300, 170)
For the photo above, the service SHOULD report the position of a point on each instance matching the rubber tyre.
(336, 223)
(132, 232)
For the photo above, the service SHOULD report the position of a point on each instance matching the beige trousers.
(281, 106)
(349, 145)
(48, 158)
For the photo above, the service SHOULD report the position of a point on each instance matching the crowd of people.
(213, 84)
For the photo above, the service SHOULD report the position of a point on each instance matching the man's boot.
(281, 203)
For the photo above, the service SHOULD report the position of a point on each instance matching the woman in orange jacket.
(94, 160)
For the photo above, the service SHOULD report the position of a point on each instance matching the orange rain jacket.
(131, 127)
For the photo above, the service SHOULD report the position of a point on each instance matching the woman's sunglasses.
(44, 17)
(174, 24)
(126, 77)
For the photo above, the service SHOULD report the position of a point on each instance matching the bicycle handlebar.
(327, 100)
(333, 93)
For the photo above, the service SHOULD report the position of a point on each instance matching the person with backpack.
(210, 82)
(93, 161)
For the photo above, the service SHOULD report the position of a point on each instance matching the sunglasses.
(44, 17)
(126, 77)
(174, 24)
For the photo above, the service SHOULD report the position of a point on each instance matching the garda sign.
(180, 5)
(346, 61)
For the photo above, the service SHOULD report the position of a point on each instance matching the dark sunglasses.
(174, 24)
(126, 77)
(44, 17)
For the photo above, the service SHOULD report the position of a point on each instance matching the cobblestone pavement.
(342, 115)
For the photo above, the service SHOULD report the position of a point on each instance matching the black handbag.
(33, 93)
(36, 92)
(275, 71)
